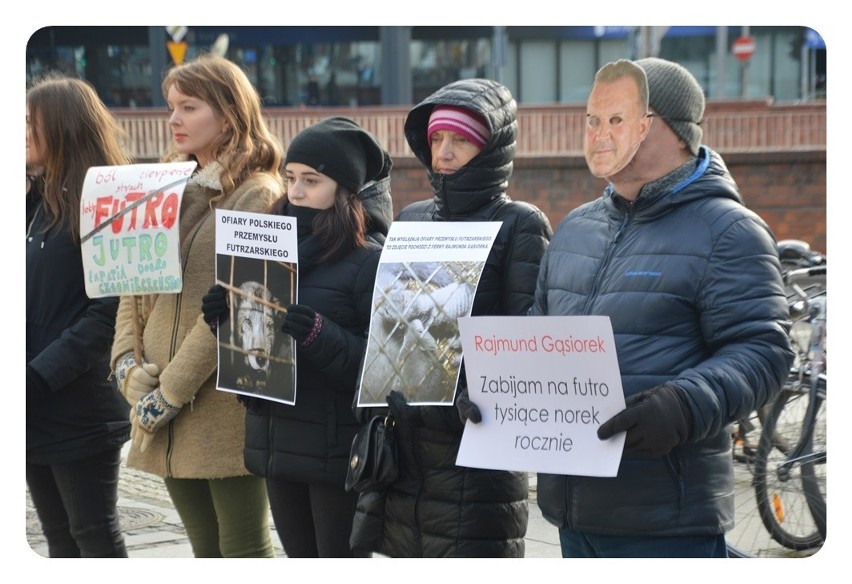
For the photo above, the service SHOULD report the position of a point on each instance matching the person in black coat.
(464, 134)
(76, 421)
(338, 189)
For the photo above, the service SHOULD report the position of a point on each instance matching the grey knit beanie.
(674, 94)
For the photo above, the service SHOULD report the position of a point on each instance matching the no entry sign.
(743, 48)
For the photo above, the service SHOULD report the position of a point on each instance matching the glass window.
(434, 63)
(576, 70)
(787, 45)
(538, 68)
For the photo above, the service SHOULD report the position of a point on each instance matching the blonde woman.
(184, 430)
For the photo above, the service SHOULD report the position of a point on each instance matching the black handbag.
(373, 458)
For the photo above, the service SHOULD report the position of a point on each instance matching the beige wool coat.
(205, 440)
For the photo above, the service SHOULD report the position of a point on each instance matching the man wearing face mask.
(691, 282)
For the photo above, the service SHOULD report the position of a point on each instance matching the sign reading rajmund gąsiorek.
(543, 385)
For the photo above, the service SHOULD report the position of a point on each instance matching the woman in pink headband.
(464, 135)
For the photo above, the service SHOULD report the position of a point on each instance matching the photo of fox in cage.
(255, 357)
(414, 345)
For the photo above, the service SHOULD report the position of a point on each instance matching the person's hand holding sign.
(656, 420)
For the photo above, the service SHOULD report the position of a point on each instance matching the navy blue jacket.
(691, 282)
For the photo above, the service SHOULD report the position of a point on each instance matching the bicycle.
(780, 478)
(789, 476)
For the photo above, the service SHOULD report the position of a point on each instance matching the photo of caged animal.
(255, 357)
(414, 345)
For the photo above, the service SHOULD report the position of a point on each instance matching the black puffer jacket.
(310, 441)
(691, 282)
(438, 509)
(69, 337)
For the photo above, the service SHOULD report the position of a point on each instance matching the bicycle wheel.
(749, 538)
(781, 499)
(813, 473)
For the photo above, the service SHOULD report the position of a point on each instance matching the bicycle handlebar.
(803, 273)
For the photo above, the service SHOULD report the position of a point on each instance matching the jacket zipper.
(173, 348)
(607, 257)
(569, 486)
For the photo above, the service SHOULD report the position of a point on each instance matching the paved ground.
(154, 530)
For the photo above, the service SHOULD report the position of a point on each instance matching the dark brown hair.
(75, 130)
(341, 228)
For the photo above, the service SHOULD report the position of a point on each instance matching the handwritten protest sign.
(543, 385)
(257, 263)
(129, 221)
(427, 278)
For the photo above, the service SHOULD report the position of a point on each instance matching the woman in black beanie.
(338, 189)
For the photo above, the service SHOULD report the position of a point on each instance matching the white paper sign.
(427, 279)
(256, 235)
(130, 226)
(257, 263)
(543, 385)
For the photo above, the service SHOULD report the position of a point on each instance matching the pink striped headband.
(459, 120)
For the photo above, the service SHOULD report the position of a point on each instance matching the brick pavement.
(152, 527)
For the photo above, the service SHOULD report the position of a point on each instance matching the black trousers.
(312, 520)
(76, 503)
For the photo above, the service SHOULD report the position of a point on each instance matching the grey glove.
(467, 409)
(152, 412)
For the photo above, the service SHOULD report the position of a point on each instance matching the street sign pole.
(743, 49)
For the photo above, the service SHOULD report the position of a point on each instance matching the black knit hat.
(675, 95)
(340, 149)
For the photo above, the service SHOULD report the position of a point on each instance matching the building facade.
(380, 65)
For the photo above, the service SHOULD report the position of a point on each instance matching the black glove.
(656, 420)
(467, 409)
(214, 305)
(299, 323)
(403, 412)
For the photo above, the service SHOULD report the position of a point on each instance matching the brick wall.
(787, 189)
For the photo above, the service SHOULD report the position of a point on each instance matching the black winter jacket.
(438, 509)
(691, 282)
(309, 442)
(77, 413)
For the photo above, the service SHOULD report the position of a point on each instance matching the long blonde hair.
(247, 146)
(75, 130)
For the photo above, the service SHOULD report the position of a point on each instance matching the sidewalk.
(152, 528)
